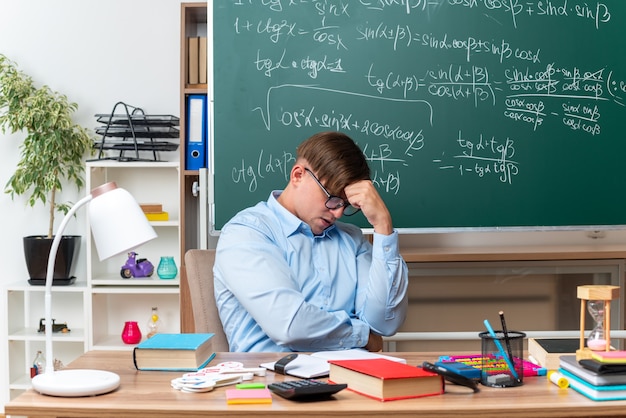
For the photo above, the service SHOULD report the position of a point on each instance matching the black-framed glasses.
(335, 202)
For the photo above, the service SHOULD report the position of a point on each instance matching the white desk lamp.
(117, 225)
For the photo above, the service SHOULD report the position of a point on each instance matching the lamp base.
(75, 383)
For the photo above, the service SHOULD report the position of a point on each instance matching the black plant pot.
(36, 252)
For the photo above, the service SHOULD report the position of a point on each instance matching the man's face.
(312, 205)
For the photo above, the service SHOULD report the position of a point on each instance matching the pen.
(502, 352)
(506, 338)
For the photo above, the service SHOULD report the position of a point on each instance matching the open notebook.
(314, 365)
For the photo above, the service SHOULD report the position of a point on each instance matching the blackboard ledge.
(447, 230)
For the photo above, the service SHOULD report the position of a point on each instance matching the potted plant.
(51, 155)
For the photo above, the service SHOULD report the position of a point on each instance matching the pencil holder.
(502, 362)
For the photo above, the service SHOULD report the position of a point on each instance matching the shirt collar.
(291, 223)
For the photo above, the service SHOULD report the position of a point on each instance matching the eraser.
(499, 379)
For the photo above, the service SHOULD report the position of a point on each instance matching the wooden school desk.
(148, 394)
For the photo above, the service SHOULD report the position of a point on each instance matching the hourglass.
(597, 299)
(596, 340)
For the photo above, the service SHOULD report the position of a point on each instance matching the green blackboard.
(472, 113)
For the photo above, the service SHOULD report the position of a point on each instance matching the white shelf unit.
(113, 299)
(96, 307)
(25, 308)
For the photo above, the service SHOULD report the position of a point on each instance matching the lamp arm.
(49, 279)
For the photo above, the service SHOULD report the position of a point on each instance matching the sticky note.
(248, 396)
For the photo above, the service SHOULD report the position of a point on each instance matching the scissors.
(230, 367)
(205, 383)
(193, 384)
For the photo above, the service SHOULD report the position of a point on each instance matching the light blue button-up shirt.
(280, 288)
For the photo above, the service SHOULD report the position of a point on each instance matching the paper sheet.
(308, 366)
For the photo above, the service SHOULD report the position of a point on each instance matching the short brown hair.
(336, 160)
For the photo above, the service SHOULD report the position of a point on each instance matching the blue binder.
(196, 132)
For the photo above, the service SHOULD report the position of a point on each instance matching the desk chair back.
(199, 266)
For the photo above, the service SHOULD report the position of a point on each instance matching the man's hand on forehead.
(363, 195)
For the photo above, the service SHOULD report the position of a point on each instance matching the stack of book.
(154, 212)
(197, 60)
(601, 378)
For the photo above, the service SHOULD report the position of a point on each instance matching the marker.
(501, 349)
(250, 386)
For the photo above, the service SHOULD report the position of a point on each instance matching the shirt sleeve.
(382, 300)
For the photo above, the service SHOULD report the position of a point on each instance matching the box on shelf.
(157, 216)
(151, 207)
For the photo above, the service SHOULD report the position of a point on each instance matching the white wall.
(97, 53)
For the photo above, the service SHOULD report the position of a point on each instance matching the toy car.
(136, 267)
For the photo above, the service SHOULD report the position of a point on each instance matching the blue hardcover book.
(593, 392)
(174, 352)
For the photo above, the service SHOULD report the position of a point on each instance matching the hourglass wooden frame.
(604, 293)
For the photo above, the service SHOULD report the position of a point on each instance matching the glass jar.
(154, 322)
(167, 268)
(39, 365)
(131, 334)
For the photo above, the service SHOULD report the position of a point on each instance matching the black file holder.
(134, 131)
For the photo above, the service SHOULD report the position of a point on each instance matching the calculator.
(306, 389)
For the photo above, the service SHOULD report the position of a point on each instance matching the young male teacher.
(290, 277)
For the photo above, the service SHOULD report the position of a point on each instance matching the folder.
(202, 60)
(196, 132)
(193, 51)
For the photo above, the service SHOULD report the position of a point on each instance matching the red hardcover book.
(384, 379)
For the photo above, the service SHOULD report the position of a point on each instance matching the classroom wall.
(102, 52)
(97, 53)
